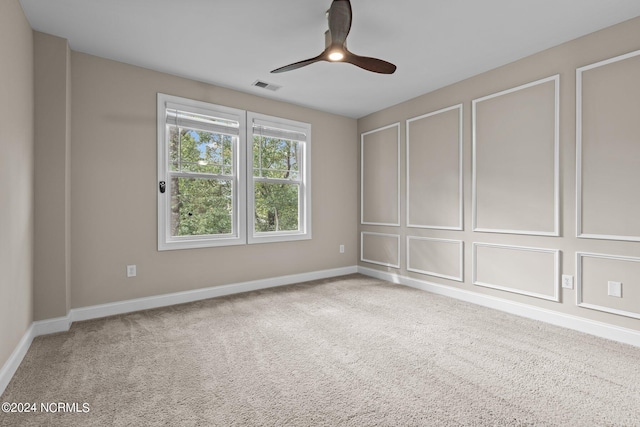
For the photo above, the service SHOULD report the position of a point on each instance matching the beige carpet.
(352, 351)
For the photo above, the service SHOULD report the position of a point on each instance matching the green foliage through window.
(276, 207)
(275, 158)
(277, 184)
(202, 205)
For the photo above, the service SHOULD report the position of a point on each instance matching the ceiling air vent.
(265, 85)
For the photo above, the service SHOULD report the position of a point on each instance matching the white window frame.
(243, 219)
(238, 234)
(304, 200)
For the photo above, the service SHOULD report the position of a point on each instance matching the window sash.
(175, 177)
(278, 211)
(271, 127)
(277, 180)
(259, 171)
(204, 117)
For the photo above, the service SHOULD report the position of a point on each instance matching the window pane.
(275, 158)
(276, 207)
(201, 206)
(200, 151)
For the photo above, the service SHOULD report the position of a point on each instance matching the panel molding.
(362, 258)
(579, 186)
(362, 135)
(460, 225)
(579, 276)
(556, 270)
(556, 167)
(459, 278)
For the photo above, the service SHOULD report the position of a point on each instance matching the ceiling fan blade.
(300, 64)
(339, 21)
(370, 64)
(340, 16)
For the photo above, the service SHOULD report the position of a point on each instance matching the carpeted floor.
(352, 351)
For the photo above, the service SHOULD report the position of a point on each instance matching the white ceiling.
(434, 43)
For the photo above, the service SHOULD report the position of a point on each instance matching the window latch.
(163, 186)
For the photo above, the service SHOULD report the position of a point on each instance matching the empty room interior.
(438, 226)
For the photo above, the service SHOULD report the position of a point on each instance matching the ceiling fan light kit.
(336, 44)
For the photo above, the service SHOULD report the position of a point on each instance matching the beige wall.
(51, 275)
(16, 176)
(113, 190)
(517, 267)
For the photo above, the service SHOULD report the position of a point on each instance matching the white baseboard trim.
(11, 365)
(599, 329)
(62, 324)
(129, 306)
(51, 326)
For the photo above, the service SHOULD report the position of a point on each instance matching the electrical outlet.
(131, 271)
(341, 249)
(567, 281)
(614, 289)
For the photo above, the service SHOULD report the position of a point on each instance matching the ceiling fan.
(336, 44)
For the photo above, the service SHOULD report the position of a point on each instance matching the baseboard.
(62, 324)
(11, 365)
(51, 326)
(129, 306)
(599, 329)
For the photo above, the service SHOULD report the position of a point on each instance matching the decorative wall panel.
(595, 271)
(380, 176)
(436, 257)
(515, 160)
(523, 270)
(434, 169)
(380, 248)
(608, 148)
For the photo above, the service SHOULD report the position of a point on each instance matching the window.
(228, 177)
(200, 162)
(279, 185)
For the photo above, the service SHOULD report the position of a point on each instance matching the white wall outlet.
(131, 271)
(614, 289)
(341, 249)
(567, 281)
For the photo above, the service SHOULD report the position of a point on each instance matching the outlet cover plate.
(567, 281)
(614, 289)
(131, 271)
